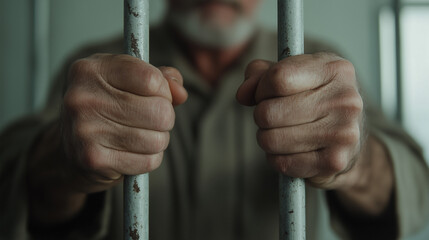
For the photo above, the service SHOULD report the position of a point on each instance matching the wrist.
(52, 200)
(371, 181)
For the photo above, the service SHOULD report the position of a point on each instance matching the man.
(116, 119)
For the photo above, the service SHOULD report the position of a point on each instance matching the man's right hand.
(116, 118)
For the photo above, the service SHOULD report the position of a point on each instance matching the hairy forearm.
(373, 182)
(51, 197)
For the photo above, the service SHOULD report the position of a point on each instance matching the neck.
(212, 63)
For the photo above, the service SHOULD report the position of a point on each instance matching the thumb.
(254, 71)
(175, 82)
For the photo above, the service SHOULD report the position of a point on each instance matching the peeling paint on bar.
(136, 188)
(291, 190)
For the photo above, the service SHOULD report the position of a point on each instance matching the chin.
(213, 30)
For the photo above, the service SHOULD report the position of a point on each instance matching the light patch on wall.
(415, 64)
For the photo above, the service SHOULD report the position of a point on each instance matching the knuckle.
(348, 104)
(252, 65)
(345, 135)
(347, 67)
(160, 141)
(123, 58)
(278, 75)
(342, 67)
(79, 103)
(171, 72)
(355, 104)
(93, 158)
(263, 116)
(100, 55)
(125, 62)
(350, 135)
(165, 115)
(281, 163)
(336, 163)
(256, 62)
(267, 140)
(331, 136)
(150, 76)
(153, 162)
(281, 78)
(81, 69)
(152, 79)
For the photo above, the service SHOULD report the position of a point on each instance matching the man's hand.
(309, 113)
(117, 114)
(116, 117)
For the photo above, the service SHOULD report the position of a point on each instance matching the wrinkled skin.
(309, 114)
(117, 112)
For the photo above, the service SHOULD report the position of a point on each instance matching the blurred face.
(214, 23)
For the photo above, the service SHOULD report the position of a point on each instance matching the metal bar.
(291, 190)
(136, 188)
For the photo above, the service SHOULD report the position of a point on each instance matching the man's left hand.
(309, 114)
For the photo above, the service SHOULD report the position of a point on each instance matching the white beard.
(210, 34)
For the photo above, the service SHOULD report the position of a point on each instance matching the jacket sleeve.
(411, 174)
(410, 201)
(408, 210)
(16, 143)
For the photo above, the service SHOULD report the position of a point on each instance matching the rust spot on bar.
(131, 11)
(286, 52)
(134, 234)
(135, 46)
(136, 187)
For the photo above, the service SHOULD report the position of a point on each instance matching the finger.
(289, 111)
(300, 165)
(292, 140)
(257, 67)
(154, 113)
(332, 162)
(134, 164)
(175, 81)
(128, 163)
(301, 73)
(321, 166)
(324, 133)
(246, 92)
(171, 73)
(179, 93)
(135, 76)
(141, 141)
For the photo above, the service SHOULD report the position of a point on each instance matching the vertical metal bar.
(136, 188)
(397, 10)
(291, 190)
